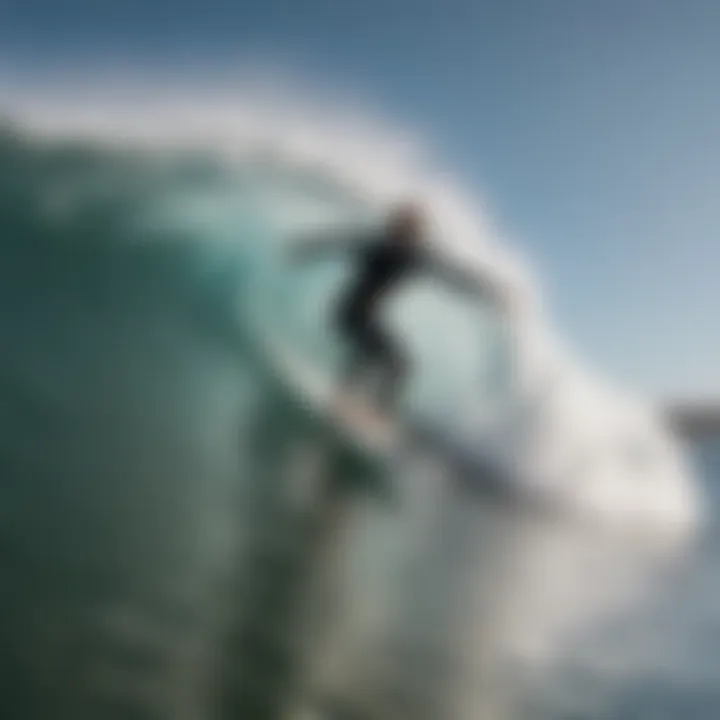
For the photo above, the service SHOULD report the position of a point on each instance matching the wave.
(277, 166)
(204, 189)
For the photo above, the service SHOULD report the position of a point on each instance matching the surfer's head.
(406, 222)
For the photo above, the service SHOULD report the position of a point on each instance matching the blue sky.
(589, 126)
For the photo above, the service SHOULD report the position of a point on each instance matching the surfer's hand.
(510, 301)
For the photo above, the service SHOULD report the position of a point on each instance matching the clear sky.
(589, 126)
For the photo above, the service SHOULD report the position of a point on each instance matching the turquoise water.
(155, 552)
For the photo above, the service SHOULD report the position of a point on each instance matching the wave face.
(142, 247)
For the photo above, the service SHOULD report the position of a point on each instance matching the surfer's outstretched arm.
(319, 246)
(468, 280)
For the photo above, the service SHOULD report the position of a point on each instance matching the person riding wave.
(383, 260)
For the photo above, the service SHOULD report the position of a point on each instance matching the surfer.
(383, 260)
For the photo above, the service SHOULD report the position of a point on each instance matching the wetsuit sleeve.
(321, 246)
(463, 278)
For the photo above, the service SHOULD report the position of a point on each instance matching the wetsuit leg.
(354, 367)
(372, 347)
(352, 328)
(390, 357)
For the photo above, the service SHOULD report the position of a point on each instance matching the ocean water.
(173, 536)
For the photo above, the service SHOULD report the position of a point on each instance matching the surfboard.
(349, 415)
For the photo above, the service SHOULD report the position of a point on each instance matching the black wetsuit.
(381, 266)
